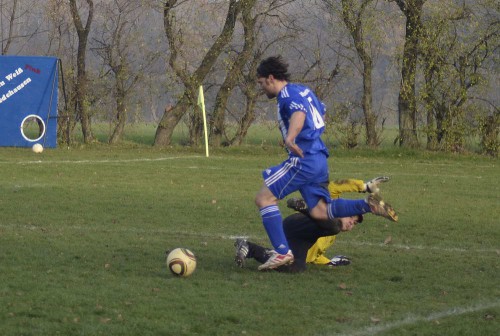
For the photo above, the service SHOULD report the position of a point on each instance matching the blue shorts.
(308, 175)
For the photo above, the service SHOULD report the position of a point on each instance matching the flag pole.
(201, 104)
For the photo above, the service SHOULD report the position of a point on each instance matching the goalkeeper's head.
(348, 223)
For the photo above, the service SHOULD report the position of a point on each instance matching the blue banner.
(28, 101)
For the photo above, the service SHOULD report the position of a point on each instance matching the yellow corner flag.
(201, 104)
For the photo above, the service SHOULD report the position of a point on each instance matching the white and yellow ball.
(37, 148)
(181, 262)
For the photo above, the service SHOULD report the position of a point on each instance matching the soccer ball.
(37, 148)
(181, 262)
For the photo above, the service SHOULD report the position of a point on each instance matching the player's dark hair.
(274, 65)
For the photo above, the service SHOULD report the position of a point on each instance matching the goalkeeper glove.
(339, 260)
(372, 185)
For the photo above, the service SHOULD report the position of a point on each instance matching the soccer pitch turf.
(83, 235)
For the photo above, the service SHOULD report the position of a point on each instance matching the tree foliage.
(427, 67)
(455, 51)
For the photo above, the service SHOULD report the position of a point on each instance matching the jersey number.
(316, 116)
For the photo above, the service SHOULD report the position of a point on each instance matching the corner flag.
(201, 104)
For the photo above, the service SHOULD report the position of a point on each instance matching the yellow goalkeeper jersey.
(316, 254)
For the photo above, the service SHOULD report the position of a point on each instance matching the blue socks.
(273, 223)
(346, 208)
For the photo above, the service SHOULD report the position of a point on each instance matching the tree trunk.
(353, 19)
(407, 104)
(191, 81)
(195, 126)
(170, 119)
(81, 81)
(218, 117)
(121, 114)
(234, 74)
(245, 122)
(10, 30)
(370, 118)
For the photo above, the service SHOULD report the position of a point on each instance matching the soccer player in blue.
(301, 121)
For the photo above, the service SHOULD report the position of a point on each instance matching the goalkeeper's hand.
(372, 185)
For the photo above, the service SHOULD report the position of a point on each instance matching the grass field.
(84, 230)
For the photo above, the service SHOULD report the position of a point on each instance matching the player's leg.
(301, 232)
(245, 250)
(279, 181)
(273, 223)
(326, 237)
(340, 207)
(316, 254)
(373, 203)
(271, 219)
(337, 187)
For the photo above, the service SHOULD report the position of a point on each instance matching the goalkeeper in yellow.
(316, 254)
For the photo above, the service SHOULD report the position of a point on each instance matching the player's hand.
(372, 185)
(292, 146)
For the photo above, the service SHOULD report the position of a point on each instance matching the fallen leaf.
(105, 319)
(489, 317)
(342, 319)
(342, 285)
(388, 240)
(375, 319)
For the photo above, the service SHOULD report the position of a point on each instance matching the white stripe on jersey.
(305, 92)
(284, 92)
(329, 212)
(297, 107)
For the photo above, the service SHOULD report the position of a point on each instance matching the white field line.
(412, 319)
(418, 247)
(111, 161)
(137, 230)
(215, 157)
(107, 161)
(434, 164)
(392, 175)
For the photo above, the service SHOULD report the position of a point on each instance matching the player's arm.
(296, 123)
(337, 187)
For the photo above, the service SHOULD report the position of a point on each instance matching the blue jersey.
(296, 97)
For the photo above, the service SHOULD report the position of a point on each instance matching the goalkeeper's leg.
(316, 254)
